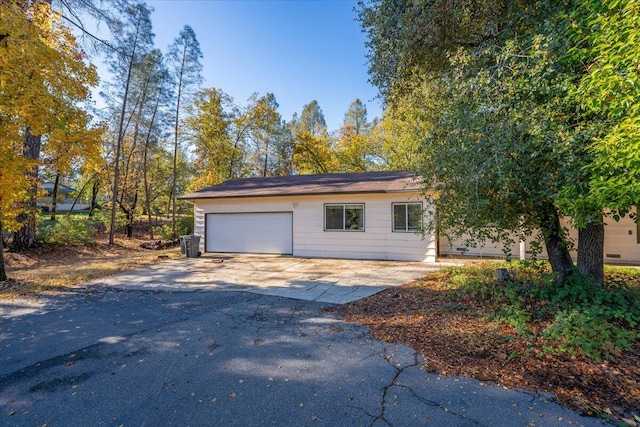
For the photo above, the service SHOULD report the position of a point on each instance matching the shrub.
(598, 321)
(184, 225)
(579, 317)
(67, 230)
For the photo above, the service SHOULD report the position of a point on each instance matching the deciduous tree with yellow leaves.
(44, 85)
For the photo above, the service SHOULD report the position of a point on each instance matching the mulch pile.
(456, 339)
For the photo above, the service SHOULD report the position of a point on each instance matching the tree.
(397, 137)
(135, 38)
(217, 151)
(313, 152)
(44, 82)
(311, 120)
(185, 68)
(283, 145)
(507, 141)
(158, 96)
(264, 120)
(354, 148)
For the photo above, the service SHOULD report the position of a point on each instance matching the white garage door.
(262, 233)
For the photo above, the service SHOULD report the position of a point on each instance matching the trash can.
(192, 246)
(183, 244)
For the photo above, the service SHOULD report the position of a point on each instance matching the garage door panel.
(268, 233)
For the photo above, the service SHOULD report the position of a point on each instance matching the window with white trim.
(344, 217)
(407, 217)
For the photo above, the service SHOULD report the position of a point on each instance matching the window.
(344, 217)
(407, 217)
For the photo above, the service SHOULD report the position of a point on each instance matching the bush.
(67, 230)
(184, 225)
(104, 216)
(598, 321)
(579, 317)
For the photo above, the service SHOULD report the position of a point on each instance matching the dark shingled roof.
(296, 185)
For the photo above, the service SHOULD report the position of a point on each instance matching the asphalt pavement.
(107, 356)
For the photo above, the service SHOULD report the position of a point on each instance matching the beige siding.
(458, 247)
(377, 241)
(621, 238)
(620, 244)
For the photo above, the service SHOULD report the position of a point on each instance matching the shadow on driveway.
(118, 357)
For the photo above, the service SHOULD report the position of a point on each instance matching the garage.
(264, 232)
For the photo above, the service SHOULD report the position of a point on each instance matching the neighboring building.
(370, 215)
(621, 244)
(64, 201)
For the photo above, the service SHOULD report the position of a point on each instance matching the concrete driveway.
(310, 279)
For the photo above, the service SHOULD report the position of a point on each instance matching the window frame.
(344, 222)
(406, 217)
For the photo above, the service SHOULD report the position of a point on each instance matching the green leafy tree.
(396, 139)
(355, 149)
(311, 120)
(217, 151)
(263, 122)
(506, 139)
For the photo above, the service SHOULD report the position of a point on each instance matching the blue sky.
(298, 50)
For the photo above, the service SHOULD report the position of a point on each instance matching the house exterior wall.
(377, 241)
(621, 244)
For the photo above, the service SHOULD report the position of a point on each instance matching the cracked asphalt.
(112, 357)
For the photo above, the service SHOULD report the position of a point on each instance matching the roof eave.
(195, 196)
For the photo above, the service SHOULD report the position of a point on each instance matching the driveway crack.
(381, 416)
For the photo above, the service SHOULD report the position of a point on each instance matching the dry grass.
(51, 268)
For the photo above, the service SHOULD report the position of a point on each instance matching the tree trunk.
(266, 158)
(54, 197)
(3, 273)
(94, 196)
(145, 165)
(121, 131)
(559, 256)
(25, 237)
(75, 199)
(591, 252)
(175, 146)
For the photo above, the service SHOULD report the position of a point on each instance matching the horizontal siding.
(620, 244)
(309, 237)
(198, 225)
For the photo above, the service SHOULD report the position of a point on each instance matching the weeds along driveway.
(335, 281)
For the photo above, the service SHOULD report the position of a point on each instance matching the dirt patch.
(456, 338)
(52, 267)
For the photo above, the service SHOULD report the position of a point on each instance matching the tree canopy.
(510, 97)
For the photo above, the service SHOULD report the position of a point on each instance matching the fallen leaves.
(457, 339)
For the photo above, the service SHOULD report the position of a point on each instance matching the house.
(621, 244)
(370, 215)
(64, 201)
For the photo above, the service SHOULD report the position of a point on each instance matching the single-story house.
(64, 201)
(369, 215)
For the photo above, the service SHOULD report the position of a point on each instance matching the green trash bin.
(183, 244)
(192, 244)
